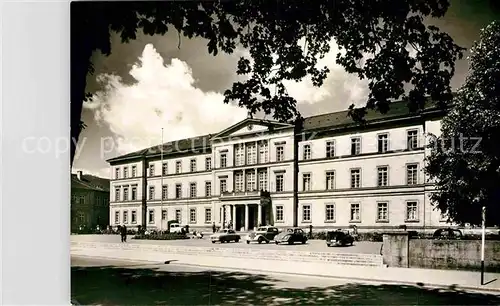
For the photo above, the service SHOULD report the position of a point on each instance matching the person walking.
(123, 232)
(213, 227)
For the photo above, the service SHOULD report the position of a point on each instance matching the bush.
(370, 236)
(319, 235)
(161, 236)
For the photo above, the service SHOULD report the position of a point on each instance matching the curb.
(359, 279)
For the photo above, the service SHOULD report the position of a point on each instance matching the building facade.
(89, 202)
(326, 171)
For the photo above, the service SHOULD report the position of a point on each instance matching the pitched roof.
(89, 182)
(398, 109)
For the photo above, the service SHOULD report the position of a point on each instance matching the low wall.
(454, 254)
(400, 251)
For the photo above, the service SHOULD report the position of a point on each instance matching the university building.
(326, 171)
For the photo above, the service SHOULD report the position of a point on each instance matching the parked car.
(447, 233)
(290, 236)
(177, 228)
(339, 238)
(263, 234)
(225, 235)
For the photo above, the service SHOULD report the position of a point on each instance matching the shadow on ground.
(125, 286)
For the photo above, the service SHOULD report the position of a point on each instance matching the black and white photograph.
(328, 152)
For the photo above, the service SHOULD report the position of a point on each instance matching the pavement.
(361, 247)
(464, 280)
(97, 281)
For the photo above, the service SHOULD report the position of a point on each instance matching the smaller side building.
(89, 202)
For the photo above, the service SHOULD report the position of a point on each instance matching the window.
(412, 139)
(117, 217)
(251, 180)
(192, 190)
(280, 153)
(251, 153)
(330, 212)
(355, 178)
(239, 154)
(134, 193)
(134, 171)
(307, 152)
(164, 192)
(412, 174)
(263, 180)
(263, 152)
(151, 170)
(192, 165)
(178, 166)
(223, 160)
(411, 211)
(382, 211)
(355, 146)
(125, 193)
(208, 189)
(151, 215)
(178, 216)
(279, 183)
(178, 191)
(306, 213)
(382, 176)
(330, 149)
(133, 217)
(117, 173)
(208, 215)
(223, 186)
(279, 213)
(125, 216)
(208, 163)
(192, 215)
(117, 194)
(330, 180)
(383, 143)
(125, 172)
(164, 214)
(82, 200)
(151, 192)
(165, 169)
(355, 213)
(306, 182)
(238, 181)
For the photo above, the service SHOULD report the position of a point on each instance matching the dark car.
(339, 238)
(447, 233)
(290, 236)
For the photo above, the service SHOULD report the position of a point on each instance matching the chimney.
(79, 175)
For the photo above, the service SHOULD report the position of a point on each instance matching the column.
(246, 217)
(234, 217)
(223, 216)
(259, 215)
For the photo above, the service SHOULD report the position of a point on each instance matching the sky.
(149, 84)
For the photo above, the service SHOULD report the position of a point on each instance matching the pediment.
(249, 126)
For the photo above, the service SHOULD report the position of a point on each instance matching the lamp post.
(482, 243)
(161, 183)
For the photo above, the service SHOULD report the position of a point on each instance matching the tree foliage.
(465, 159)
(285, 40)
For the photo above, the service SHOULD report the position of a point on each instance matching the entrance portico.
(242, 216)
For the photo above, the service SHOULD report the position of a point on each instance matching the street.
(363, 247)
(111, 282)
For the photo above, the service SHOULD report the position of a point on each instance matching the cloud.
(163, 96)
